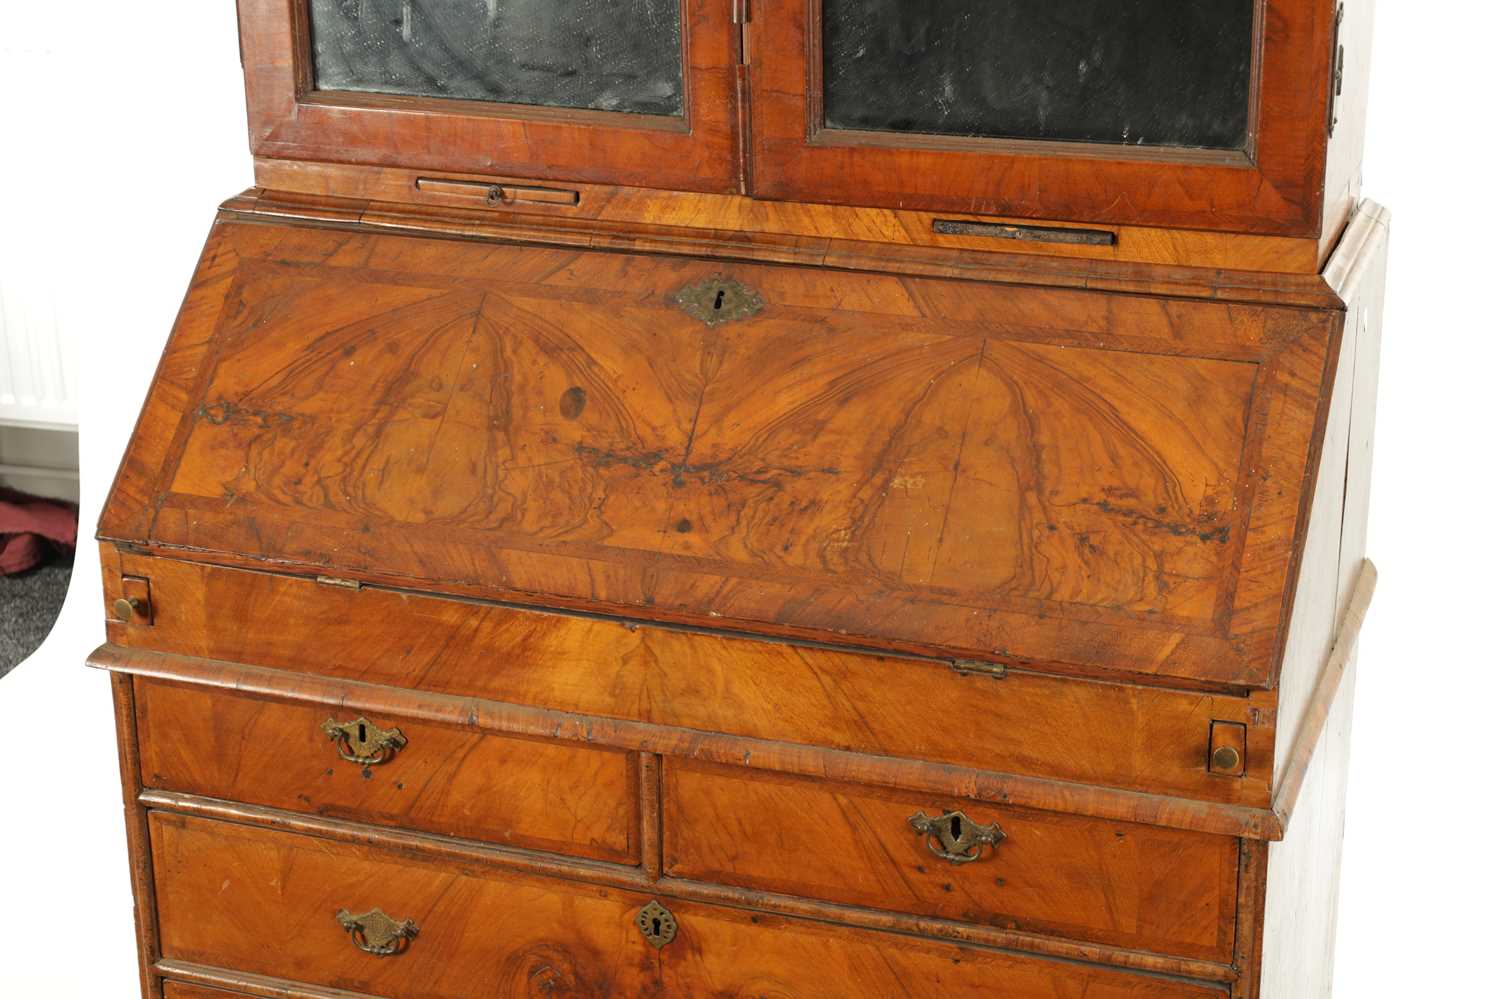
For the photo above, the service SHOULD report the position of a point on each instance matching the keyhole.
(954, 825)
(361, 732)
(719, 300)
(656, 926)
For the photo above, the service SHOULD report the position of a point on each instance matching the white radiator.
(38, 372)
(38, 358)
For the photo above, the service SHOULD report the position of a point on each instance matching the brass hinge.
(741, 19)
(348, 584)
(1336, 85)
(973, 667)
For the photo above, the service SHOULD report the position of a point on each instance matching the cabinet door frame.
(290, 119)
(1273, 186)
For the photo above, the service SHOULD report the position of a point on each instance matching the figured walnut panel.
(793, 696)
(1100, 482)
(516, 932)
(551, 796)
(1134, 886)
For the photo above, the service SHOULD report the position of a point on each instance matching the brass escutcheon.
(719, 300)
(656, 924)
(363, 742)
(955, 837)
(376, 933)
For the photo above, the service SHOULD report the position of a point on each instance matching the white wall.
(113, 156)
(136, 132)
(38, 355)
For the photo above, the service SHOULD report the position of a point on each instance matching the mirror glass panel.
(1125, 72)
(605, 55)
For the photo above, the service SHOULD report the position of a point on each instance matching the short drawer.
(552, 796)
(270, 903)
(1121, 884)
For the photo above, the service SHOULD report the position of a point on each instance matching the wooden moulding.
(730, 213)
(1174, 279)
(1250, 927)
(784, 757)
(202, 982)
(464, 855)
(137, 835)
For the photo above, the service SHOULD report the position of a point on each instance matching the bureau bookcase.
(758, 498)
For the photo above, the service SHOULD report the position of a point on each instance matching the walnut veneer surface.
(698, 620)
(640, 514)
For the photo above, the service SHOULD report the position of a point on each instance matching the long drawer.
(287, 905)
(542, 795)
(1128, 885)
(1081, 731)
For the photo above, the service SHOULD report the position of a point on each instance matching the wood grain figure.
(634, 513)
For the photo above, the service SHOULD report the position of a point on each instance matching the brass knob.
(1226, 760)
(127, 608)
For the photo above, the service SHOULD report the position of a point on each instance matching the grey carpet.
(28, 606)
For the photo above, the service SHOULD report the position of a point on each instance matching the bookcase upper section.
(1235, 116)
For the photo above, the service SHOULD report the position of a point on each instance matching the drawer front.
(1134, 886)
(235, 986)
(541, 795)
(266, 902)
(1082, 731)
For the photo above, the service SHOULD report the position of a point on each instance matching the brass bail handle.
(362, 741)
(955, 837)
(376, 933)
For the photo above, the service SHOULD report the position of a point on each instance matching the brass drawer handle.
(362, 741)
(376, 933)
(955, 837)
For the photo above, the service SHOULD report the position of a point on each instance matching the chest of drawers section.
(503, 619)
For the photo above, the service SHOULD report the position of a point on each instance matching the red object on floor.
(33, 529)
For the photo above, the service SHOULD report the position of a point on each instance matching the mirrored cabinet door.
(1159, 73)
(604, 91)
(1203, 113)
(604, 55)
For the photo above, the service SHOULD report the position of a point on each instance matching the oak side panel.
(1344, 177)
(1303, 875)
(1131, 886)
(444, 780)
